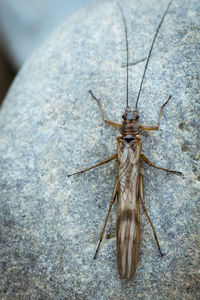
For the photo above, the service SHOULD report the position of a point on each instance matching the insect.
(128, 188)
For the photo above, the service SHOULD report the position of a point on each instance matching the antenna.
(146, 65)
(127, 56)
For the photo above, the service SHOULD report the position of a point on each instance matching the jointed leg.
(112, 123)
(114, 194)
(155, 127)
(146, 213)
(148, 162)
(97, 165)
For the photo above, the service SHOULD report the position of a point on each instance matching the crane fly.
(128, 188)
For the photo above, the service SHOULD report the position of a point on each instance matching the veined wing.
(128, 209)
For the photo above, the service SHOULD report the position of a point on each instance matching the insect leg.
(146, 213)
(148, 162)
(97, 165)
(112, 200)
(112, 123)
(155, 127)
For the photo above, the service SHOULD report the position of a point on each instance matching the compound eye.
(136, 117)
(124, 116)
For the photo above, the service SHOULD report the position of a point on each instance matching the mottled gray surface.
(25, 24)
(50, 126)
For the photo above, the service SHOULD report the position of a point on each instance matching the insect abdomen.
(128, 242)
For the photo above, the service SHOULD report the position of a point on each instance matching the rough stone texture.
(25, 24)
(50, 126)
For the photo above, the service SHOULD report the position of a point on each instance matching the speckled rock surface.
(50, 126)
(25, 24)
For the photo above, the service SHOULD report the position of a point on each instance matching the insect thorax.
(130, 125)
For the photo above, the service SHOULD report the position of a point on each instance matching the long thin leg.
(155, 127)
(146, 213)
(112, 200)
(148, 162)
(97, 165)
(112, 123)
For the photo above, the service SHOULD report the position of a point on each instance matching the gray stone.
(25, 24)
(50, 126)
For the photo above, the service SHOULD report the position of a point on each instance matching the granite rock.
(50, 127)
(25, 24)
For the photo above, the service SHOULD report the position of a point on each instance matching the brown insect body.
(128, 187)
(128, 207)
